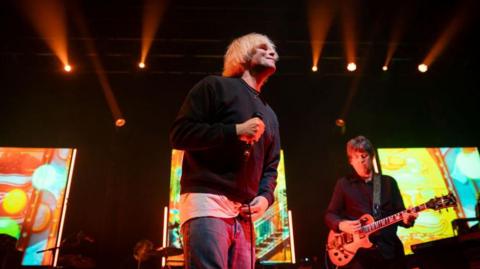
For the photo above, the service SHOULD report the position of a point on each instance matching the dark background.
(121, 178)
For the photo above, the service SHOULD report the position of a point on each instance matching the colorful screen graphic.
(424, 173)
(272, 230)
(33, 185)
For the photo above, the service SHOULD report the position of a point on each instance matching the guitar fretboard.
(382, 223)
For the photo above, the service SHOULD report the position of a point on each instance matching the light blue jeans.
(216, 243)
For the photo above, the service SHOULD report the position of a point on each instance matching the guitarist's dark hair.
(359, 143)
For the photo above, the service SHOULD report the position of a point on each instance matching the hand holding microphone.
(250, 131)
(257, 208)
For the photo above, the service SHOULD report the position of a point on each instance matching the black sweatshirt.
(353, 198)
(214, 160)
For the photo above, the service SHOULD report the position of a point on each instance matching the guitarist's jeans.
(372, 259)
(210, 242)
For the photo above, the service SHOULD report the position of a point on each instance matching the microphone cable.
(252, 246)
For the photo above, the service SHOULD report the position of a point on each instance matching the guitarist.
(354, 196)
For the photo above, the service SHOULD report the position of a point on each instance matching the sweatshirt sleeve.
(268, 182)
(335, 208)
(195, 127)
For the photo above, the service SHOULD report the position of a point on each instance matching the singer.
(232, 148)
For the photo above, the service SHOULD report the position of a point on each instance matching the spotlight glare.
(67, 68)
(340, 122)
(351, 67)
(314, 68)
(385, 68)
(422, 68)
(141, 65)
(120, 122)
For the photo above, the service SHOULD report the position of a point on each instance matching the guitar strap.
(377, 189)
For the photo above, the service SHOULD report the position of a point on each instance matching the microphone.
(249, 145)
(248, 150)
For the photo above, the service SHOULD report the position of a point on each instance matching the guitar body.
(342, 246)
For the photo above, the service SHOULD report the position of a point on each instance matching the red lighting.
(120, 122)
(340, 122)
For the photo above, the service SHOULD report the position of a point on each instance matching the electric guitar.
(343, 246)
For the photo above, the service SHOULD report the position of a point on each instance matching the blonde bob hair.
(240, 52)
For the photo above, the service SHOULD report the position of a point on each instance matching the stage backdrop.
(33, 186)
(272, 230)
(423, 173)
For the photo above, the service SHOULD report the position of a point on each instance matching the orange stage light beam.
(348, 102)
(397, 33)
(348, 29)
(453, 27)
(118, 118)
(152, 14)
(49, 20)
(320, 16)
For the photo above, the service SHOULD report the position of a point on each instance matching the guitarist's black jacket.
(352, 198)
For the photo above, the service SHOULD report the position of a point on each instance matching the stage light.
(385, 68)
(49, 20)
(141, 65)
(340, 122)
(153, 11)
(100, 71)
(456, 24)
(320, 17)
(351, 67)
(422, 68)
(67, 68)
(120, 122)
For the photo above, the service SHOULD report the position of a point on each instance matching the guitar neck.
(385, 222)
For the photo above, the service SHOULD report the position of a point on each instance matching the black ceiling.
(193, 35)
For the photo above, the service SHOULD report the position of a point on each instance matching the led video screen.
(33, 186)
(425, 173)
(272, 230)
